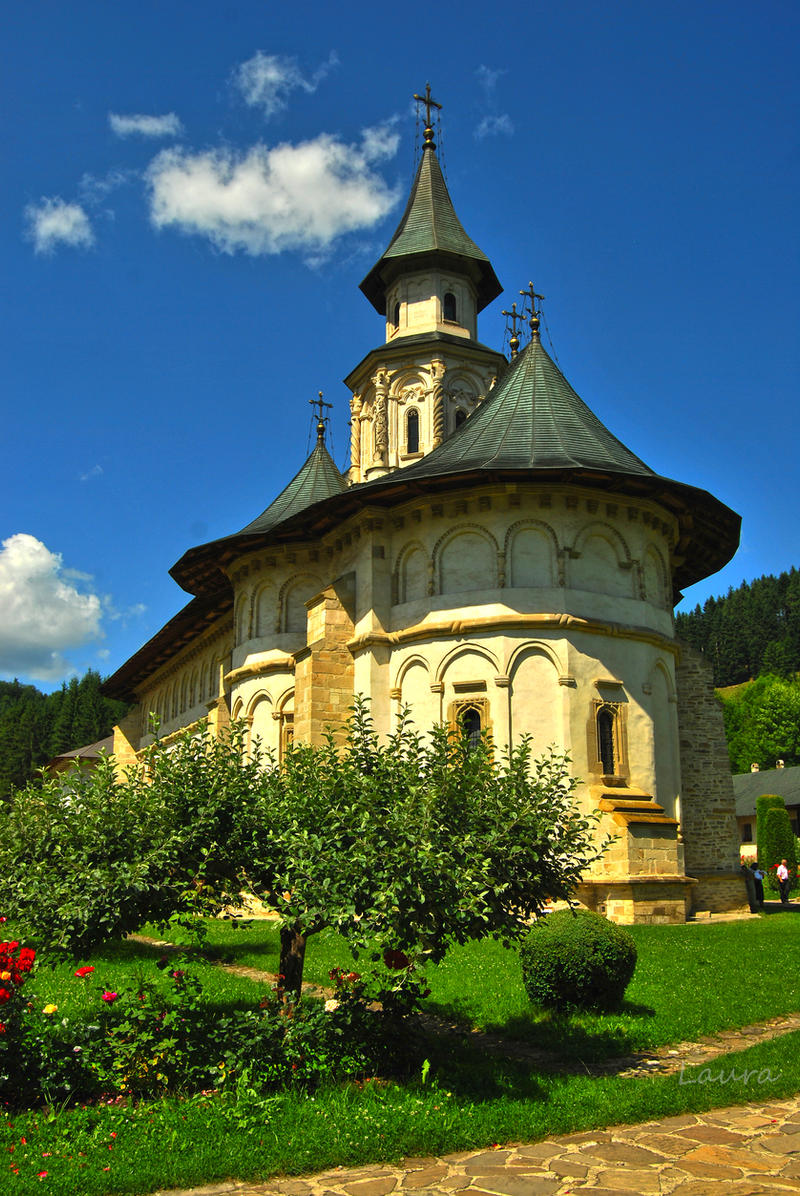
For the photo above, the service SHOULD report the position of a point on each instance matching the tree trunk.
(293, 951)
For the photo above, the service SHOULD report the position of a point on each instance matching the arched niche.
(411, 573)
(601, 562)
(531, 555)
(414, 685)
(294, 596)
(242, 619)
(655, 578)
(262, 724)
(263, 620)
(467, 560)
(536, 698)
(666, 750)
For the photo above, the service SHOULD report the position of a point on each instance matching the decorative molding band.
(259, 668)
(511, 622)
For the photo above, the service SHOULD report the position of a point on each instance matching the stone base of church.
(719, 892)
(636, 899)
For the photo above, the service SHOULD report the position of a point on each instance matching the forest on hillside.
(35, 727)
(751, 630)
(751, 638)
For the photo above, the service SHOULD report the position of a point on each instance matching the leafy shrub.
(765, 803)
(159, 1035)
(778, 844)
(577, 960)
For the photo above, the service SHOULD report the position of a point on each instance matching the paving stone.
(712, 1134)
(371, 1187)
(782, 1143)
(522, 1185)
(708, 1170)
(622, 1152)
(539, 1150)
(425, 1176)
(566, 1167)
(727, 1156)
(666, 1144)
(630, 1180)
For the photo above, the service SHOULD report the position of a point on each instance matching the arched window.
(396, 315)
(460, 417)
(412, 432)
(449, 306)
(470, 720)
(605, 740)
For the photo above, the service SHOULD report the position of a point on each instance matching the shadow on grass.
(590, 1037)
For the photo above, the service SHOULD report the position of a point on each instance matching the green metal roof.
(318, 479)
(532, 419)
(430, 228)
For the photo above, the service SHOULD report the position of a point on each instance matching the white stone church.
(494, 557)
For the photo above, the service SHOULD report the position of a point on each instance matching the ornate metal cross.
(428, 102)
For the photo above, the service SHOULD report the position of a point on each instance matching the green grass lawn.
(690, 981)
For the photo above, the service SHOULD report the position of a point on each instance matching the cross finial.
(513, 316)
(319, 406)
(429, 103)
(533, 318)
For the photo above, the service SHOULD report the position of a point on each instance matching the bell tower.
(431, 372)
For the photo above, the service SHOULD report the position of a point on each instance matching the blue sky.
(193, 191)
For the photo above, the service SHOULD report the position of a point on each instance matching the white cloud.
(95, 187)
(139, 125)
(94, 472)
(266, 80)
(490, 125)
(42, 613)
(54, 222)
(269, 200)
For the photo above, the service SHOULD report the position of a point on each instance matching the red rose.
(5, 995)
(109, 998)
(81, 972)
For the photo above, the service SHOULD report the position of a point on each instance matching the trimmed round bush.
(577, 961)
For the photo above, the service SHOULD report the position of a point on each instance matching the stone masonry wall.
(324, 669)
(708, 807)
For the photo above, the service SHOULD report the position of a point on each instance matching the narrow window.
(412, 432)
(460, 417)
(747, 832)
(605, 739)
(396, 315)
(449, 306)
(470, 720)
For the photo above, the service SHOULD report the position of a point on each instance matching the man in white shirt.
(783, 881)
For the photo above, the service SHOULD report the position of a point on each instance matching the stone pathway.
(741, 1151)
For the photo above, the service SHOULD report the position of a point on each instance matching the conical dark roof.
(318, 480)
(430, 229)
(532, 419)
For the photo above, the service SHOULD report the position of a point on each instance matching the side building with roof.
(493, 558)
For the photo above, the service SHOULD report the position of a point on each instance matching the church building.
(494, 558)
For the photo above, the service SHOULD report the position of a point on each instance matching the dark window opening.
(449, 306)
(747, 832)
(460, 417)
(605, 739)
(412, 432)
(396, 315)
(470, 720)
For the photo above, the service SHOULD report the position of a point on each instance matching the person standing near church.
(783, 881)
(758, 882)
